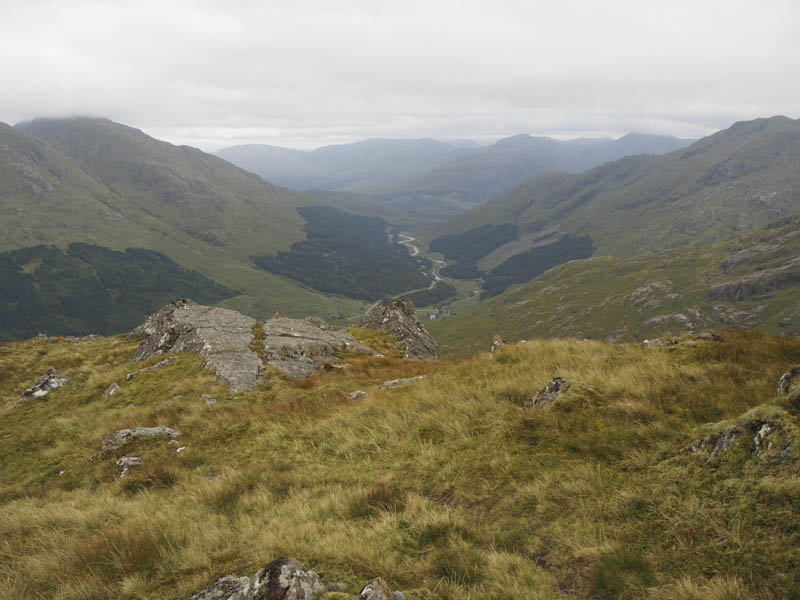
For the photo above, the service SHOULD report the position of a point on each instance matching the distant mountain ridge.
(436, 179)
(738, 179)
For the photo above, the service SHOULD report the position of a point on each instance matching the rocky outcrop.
(787, 380)
(117, 439)
(298, 347)
(222, 337)
(758, 283)
(399, 319)
(548, 394)
(283, 579)
(43, 385)
(708, 337)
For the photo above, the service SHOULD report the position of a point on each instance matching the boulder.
(111, 390)
(298, 346)
(43, 385)
(787, 380)
(283, 579)
(399, 319)
(222, 337)
(117, 439)
(549, 393)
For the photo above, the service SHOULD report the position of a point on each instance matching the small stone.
(395, 382)
(181, 449)
(131, 405)
(111, 390)
(62, 473)
(5, 349)
(496, 343)
(548, 394)
(398, 596)
(377, 589)
(708, 337)
(169, 402)
(355, 395)
(173, 442)
(127, 463)
(787, 380)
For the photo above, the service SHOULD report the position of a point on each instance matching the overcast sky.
(306, 74)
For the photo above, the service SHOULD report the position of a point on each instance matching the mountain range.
(737, 179)
(432, 179)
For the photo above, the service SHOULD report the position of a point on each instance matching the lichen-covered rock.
(43, 385)
(377, 589)
(222, 337)
(787, 380)
(117, 439)
(549, 393)
(400, 319)
(283, 579)
(299, 346)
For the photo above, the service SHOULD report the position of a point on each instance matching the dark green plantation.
(90, 289)
(349, 255)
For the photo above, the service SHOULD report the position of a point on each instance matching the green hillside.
(98, 182)
(660, 474)
(750, 280)
(738, 179)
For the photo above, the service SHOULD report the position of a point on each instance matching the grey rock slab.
(298, 347)
(43, 385)
(221, 336)
(116, 439)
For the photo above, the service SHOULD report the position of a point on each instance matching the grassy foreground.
(448, 488)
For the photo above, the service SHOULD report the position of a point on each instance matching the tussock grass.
(447, 488)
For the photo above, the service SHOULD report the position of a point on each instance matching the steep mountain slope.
(661, 473)
(352, 167)
(98, 182)
(737, 179)
(751, 280)
(485, 173)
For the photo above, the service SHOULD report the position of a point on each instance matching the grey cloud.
(309, 73)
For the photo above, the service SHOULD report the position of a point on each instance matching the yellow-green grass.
(447, 488)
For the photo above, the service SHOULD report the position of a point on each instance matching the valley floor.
(668, 472)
